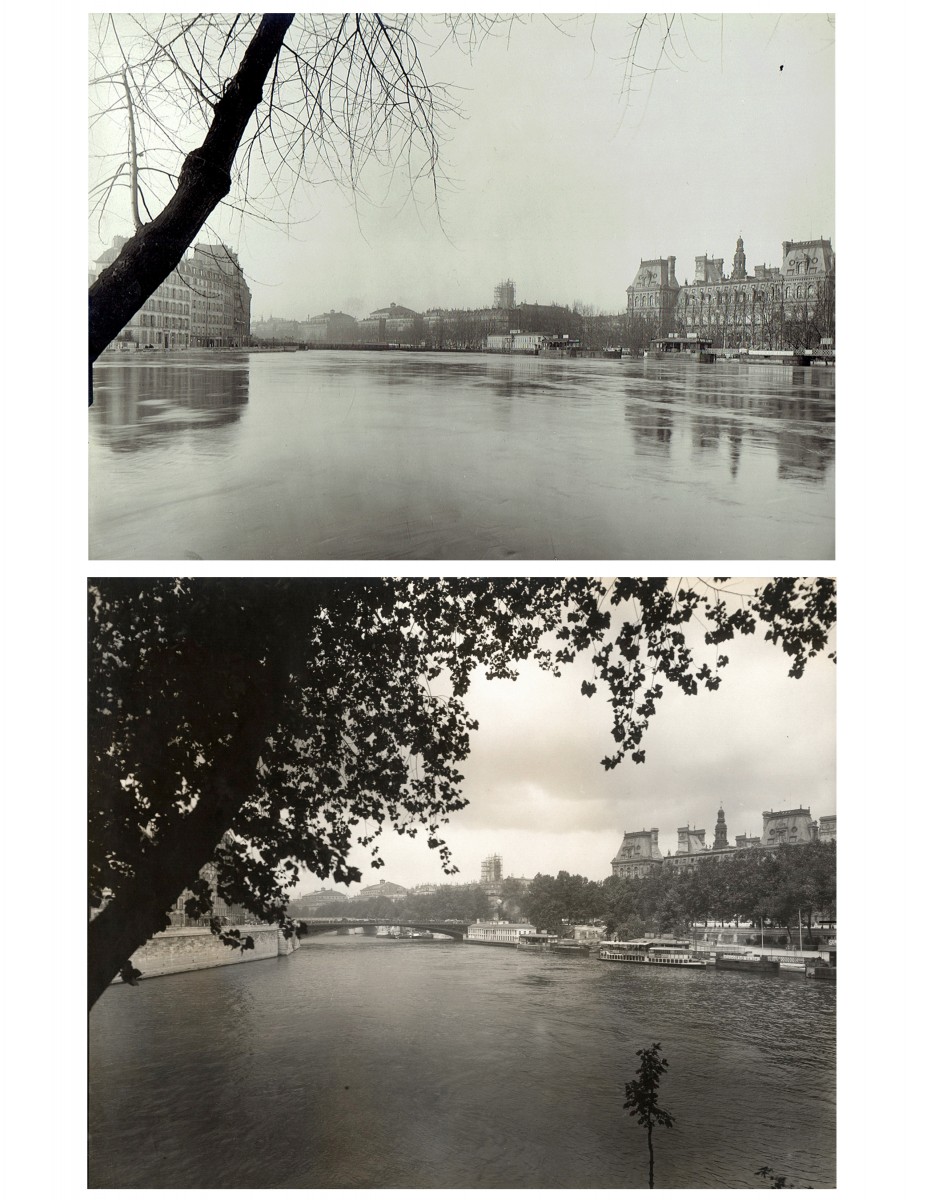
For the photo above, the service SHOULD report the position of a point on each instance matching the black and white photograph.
(462, 883)
(466, 287)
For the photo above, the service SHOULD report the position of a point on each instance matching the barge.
(756, 964)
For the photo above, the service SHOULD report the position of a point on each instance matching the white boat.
(651, 952)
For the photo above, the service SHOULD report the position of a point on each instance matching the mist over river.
(395, 455)
(358, 1062)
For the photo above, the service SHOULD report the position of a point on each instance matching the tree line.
(760, 887)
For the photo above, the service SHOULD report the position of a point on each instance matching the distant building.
(788, 825)
(721, 841)
(332, 327)
(163, 321)
(205, 301)
(383, 888)
(393, 324)
(305, 906)
(740, 311)
(279, 329)
(220, 313)
(491, 871)
(638, 855)
(503, 294)
(505, 933)
(227, 914)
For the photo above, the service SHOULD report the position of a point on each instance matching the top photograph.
(462, 287)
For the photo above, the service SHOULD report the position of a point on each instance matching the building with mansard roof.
(767, 310)
(638, 855)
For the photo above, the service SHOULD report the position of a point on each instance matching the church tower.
(740, 261)
(721, 827)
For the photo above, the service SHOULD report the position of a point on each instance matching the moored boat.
(756, 964)
(651, 952)
(536, 941)
(571, 947)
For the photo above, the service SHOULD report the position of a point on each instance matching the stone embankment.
(178, 950)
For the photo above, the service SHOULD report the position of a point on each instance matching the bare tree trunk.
(205, 179)
(650, 1148)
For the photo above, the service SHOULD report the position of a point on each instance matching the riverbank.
(179, 950)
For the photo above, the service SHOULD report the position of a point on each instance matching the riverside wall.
(195, 949)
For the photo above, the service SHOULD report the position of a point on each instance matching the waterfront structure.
(205, 301)
(774, 308)
(501, 933)
(638, 855)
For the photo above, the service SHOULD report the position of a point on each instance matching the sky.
(553, 178)
(540, 798)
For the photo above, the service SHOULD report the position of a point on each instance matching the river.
(362, 1063)
(392, 455)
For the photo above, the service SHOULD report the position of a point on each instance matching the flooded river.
(362, 1063)
(351, 455)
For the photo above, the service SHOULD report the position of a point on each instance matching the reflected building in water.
(140, 404)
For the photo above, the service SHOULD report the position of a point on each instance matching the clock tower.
(720, 832)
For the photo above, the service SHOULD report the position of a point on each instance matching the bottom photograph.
(462, 882)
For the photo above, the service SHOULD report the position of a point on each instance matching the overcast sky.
(559, 185)
(540, 797)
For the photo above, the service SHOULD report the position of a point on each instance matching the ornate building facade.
(774, 308)
(640, 852)
(638, 855)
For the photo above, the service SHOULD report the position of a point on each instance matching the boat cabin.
(536, 941)
(680, 345)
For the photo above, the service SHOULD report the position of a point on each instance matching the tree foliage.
(270, 725)
(550, 902)
(462, 902)
(755, 886)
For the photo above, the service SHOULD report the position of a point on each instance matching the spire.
(720, 832)
(740, 261)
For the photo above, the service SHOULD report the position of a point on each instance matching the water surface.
(392, 455)
(359, 1063)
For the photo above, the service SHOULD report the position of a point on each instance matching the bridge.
(307, 926)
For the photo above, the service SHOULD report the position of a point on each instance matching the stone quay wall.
(195, 949)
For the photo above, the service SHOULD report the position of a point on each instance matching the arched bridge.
(306, 926)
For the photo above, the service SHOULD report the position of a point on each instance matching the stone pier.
(195, 949)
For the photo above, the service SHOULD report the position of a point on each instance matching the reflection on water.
(328, 455)
(141, 403)
(355, 1063)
